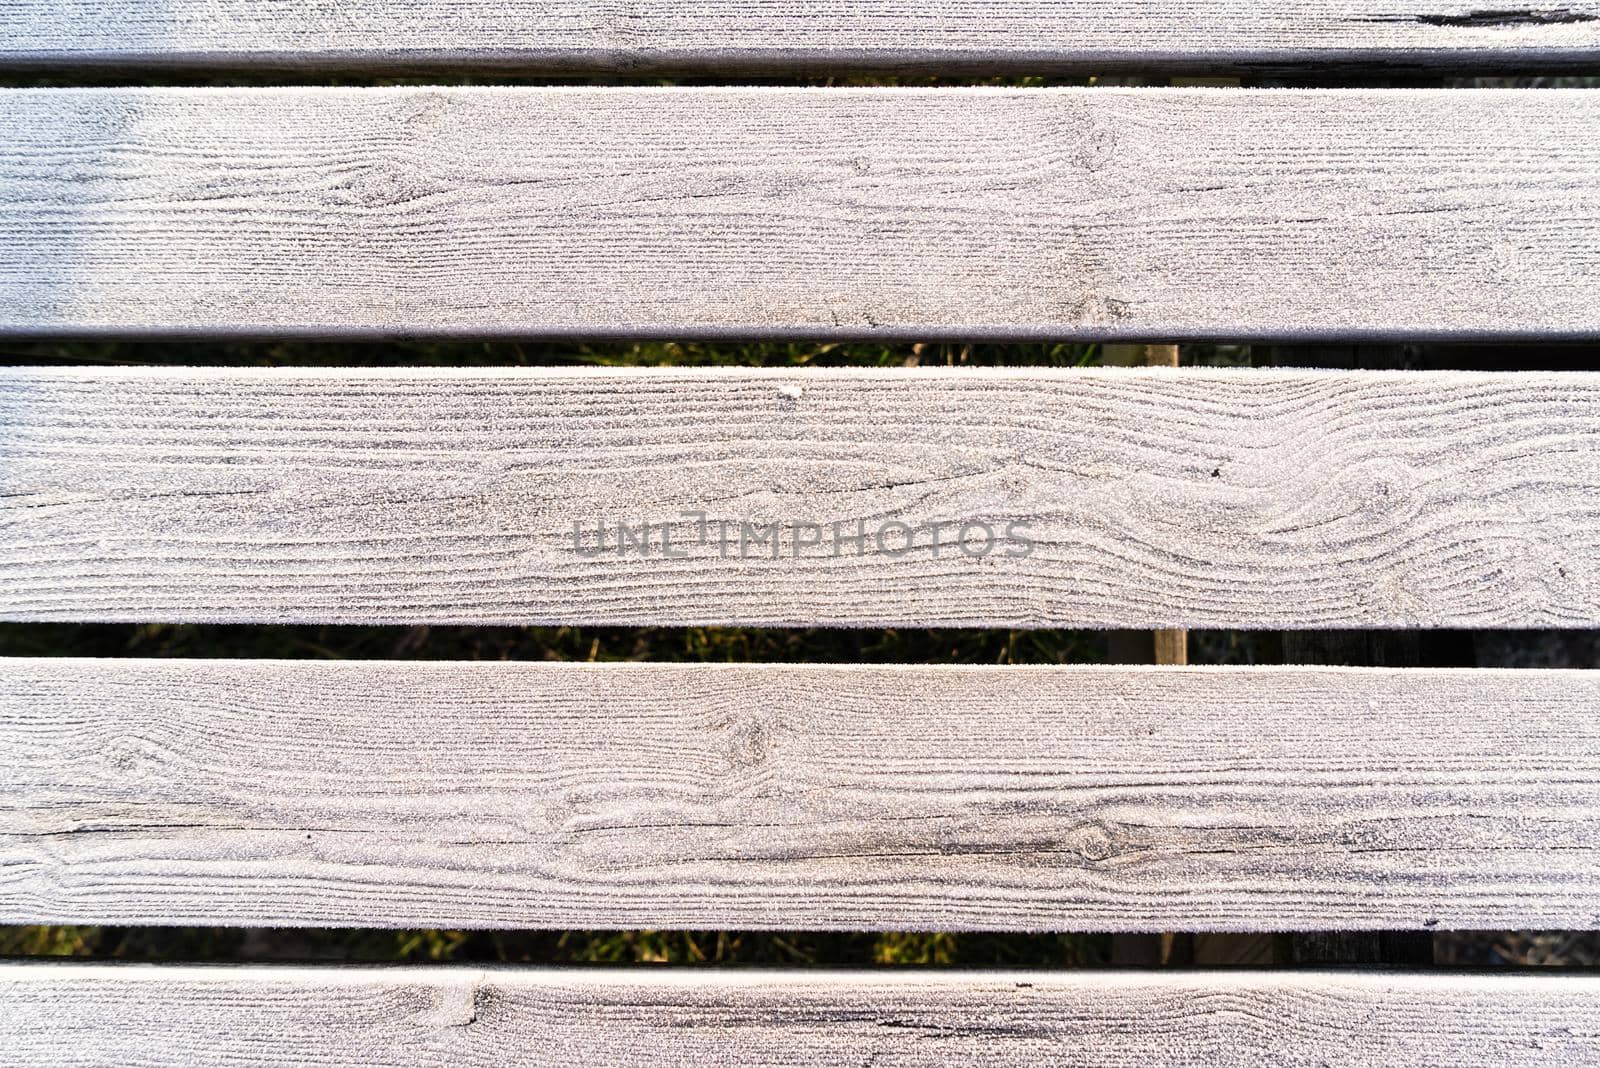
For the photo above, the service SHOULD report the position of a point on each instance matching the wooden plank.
(1124, 498)
(1033, 35)
(256, 793)
(984, 213)
(75, 1014)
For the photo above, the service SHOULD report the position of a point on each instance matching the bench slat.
(194, 1015)
(1033, 35)
(705, 212)
(1261, 499)
(796, 797)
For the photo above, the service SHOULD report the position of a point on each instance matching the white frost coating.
(68, 1014)
(705, 212)
(724, 34)
(1286, 499)
(773, 796)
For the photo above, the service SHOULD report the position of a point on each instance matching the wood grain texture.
(796, 797)
(134, 1015)
(985, 213)
(1132, 498)
(1031, 35)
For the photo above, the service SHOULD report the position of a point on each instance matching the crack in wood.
(1522, 17)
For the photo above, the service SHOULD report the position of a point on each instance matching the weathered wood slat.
(789, 34)
(769, 796)
(1124, 498)
(76, 1014)
(700, 212)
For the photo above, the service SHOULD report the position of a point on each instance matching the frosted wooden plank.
(789, 34)
(1124, 498)
(72, 1014)
(719, 796)
(707, 212)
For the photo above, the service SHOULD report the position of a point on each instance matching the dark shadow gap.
(791, 949)
(1336, 71)
(510, 353)
(1440, 648)
(513, 353)
(1484, 950)
(673, 644)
